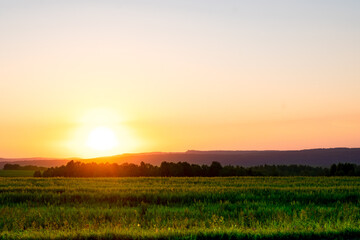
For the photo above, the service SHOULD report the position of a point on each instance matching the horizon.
(101, 78)
(179, 152)
(180, 119)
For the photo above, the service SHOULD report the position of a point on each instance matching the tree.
(215, 169)
(333, 170)
(37, 174)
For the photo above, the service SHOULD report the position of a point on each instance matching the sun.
(102, 139)
(101, 132)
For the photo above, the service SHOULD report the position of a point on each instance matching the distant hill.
(312, 157)
(30, 161)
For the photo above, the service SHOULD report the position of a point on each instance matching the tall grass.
(180, 208)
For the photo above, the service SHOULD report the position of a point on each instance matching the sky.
(177, 75)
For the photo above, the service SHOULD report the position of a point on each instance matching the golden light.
(101, 132)
(102, 139)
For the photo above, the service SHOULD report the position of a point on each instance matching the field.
(180, 208)
(16, 173)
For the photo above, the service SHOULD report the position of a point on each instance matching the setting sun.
(102, 138)
(176, 75)
(179, 119)
(100, 132)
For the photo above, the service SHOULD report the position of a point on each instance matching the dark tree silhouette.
(184, 169)
(37, 174)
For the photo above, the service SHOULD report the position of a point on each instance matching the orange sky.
(178, 75)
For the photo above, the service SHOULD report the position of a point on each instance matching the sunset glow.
(104, 78)
(100, 132)
(102, 138)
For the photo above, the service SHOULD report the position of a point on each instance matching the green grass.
(180, 208)
(16, 173)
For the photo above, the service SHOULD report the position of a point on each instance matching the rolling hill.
(312, 157)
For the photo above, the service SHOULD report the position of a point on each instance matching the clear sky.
(177, 75)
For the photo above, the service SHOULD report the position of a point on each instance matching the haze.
(178, 75)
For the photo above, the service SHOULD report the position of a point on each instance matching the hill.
(35, 162)
(312, 157)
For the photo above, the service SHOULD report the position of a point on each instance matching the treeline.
(9, 166)
(184, 169)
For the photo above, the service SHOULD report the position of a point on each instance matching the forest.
(9, 166)
(184, 169)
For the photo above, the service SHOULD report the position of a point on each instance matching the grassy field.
(16, 173)
(180, 208)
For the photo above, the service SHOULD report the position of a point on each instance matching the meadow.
(180, 208)
(16, 173)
